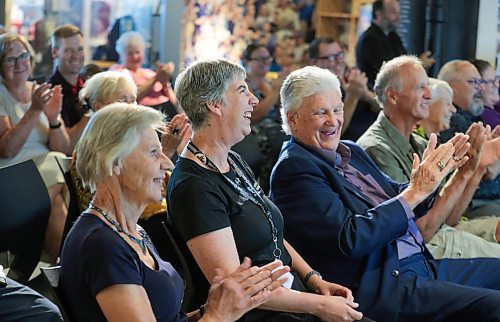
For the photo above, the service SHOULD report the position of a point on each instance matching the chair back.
(51, 277)
(24, 213)
(170, 247)
(73, 211)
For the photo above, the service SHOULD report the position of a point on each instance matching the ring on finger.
(456, 159)
(175, 131)
(441, 165)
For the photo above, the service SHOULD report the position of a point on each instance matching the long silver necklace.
(119, 228)
(252, 192)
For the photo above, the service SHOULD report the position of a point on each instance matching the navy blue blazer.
(338, 230)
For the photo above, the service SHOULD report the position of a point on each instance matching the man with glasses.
(467, 86)
(359, 103)
(68, 54)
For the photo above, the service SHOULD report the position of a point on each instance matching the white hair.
(303, 83)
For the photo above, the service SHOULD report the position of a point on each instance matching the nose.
(166, 163)
(452, 108)
(253, 100)
(427, 93)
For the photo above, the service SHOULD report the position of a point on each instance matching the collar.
(339, 158)
(393, 134)
(57, 76)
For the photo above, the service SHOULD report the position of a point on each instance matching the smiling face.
(331, 57)
(318, 121)
(412, 100)
(259, 62)
(237, 112)
(441, 111)
(467, 91)
(134, 57)
(21, 70)
(142, 173)
(69, 55)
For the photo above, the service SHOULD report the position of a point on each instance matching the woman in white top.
(31, 128)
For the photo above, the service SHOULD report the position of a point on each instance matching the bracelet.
(309, 275)
(55, 126)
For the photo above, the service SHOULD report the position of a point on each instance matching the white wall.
(487, 34)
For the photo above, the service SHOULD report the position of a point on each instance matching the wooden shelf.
(339, 19)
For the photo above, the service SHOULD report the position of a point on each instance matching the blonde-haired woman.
(31, 128)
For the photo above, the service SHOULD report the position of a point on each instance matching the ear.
(392, 95)
(214, 108)
(117, 168)
(292, 120)
(53, 52)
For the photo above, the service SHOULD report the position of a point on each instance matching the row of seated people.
(366, 222)
(49, 97)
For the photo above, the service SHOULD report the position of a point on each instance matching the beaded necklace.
(119, 228)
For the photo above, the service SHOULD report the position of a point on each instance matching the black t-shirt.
(72, 111)
(201, 201)
(95, 257)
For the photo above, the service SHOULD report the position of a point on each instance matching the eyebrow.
(242, 86)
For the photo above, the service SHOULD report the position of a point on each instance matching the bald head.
(464, 79)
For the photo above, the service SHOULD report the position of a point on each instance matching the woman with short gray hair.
(108, 259)
(232, 217)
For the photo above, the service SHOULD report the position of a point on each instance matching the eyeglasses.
(491, 82)
(265, 59)
(12, 61)
(475, 82)
(332, 57)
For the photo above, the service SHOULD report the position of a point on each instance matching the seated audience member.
(31, 128)
(111, 87)
(357, 226)
(402, 88)
(21, 303)
(67, 52)
(381, 42)
(232, 218)
(465, 81)
(110, 271)
(154, 87)
(266, 124)
(491, 113)
(360, 105)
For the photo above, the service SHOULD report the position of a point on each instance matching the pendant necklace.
(119, 228)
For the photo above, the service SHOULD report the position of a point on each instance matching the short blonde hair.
(111, 134)
(64, 31)
(6, 41)
(303, 83)
(103, 85)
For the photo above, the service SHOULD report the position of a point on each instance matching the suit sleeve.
(318, 208)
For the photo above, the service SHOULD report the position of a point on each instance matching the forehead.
(412, 74)
(133, 47)
(328, 49)
(15, 46)
(467, 70)
(324, 99)
(74, 40)
(261, 51)
(235, 83)
(489, 73)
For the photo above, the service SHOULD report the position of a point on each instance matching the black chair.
(24, 213)
(73, 210)
(51, 277)
(171, 248)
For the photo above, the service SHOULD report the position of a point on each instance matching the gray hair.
(127, 39)
(303, 83)
(103, 85)
(111, 134)
(439, 88)
(389, 75)
(450, 70)
(202, 83)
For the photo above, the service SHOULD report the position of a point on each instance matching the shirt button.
(395, 273)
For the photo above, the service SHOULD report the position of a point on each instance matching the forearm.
(464, 199)
(75, 132)
(298, 263)
(145, 89)
(13, 139)
(293, 301)
(350, 102)
(59, 139)
(265, 106)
